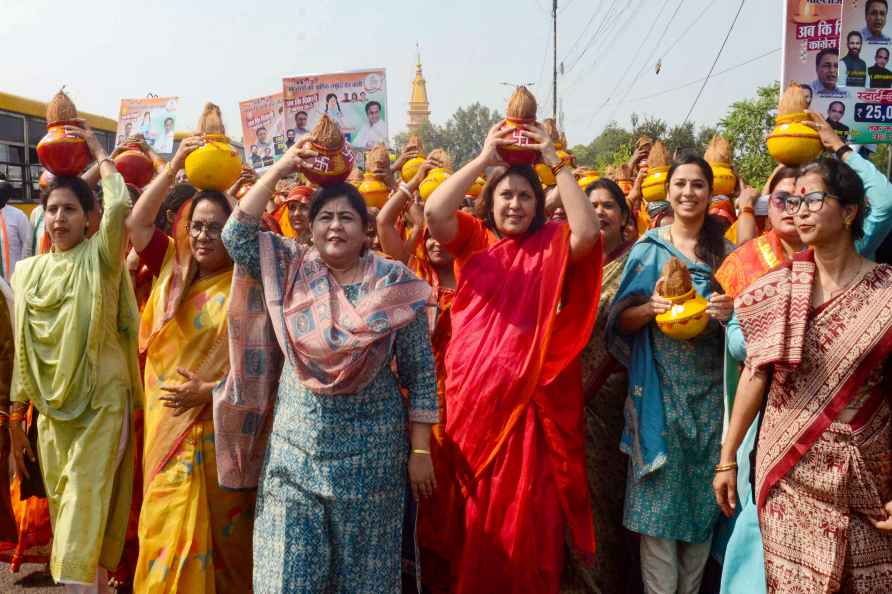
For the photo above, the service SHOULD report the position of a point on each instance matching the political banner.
(811, 51)
(866, 116)
(356, 100)
(153, 117)
(263, 130)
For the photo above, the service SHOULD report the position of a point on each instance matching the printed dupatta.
(825, 355)
(299, 311)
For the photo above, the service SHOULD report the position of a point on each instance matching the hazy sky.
(227, 51)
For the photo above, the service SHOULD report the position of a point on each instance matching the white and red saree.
(824, 459)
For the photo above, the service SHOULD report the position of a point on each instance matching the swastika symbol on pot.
(321, 163)
(519, 138)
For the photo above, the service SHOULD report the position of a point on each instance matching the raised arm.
(255, 201)
(141, 222)
(746, 219)
(392, 241)
(584, 227)
(447, 199)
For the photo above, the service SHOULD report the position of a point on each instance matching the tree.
(746, 126)
(462, 136)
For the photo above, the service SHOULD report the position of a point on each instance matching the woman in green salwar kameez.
(76, 327)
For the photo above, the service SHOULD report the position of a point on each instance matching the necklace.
(851, 280)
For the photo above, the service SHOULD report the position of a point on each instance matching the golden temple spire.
(419, 107)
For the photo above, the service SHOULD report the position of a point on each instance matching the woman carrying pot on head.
(76, 329)
(193, 535)
(312, 407)
(513, 393)
(673, 431)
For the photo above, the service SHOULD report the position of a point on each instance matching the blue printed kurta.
(675, 405)
(331, 495)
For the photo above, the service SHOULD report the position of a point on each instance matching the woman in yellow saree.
(194, 537)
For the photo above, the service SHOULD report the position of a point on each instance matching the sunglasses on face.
(791, 204)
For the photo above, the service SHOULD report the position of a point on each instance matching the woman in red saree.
(522, 312)
(819, 333)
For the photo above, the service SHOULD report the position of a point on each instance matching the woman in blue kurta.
(674, 407)
(321, 325)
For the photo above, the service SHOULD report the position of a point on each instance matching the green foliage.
(746, 125)
(462, 136)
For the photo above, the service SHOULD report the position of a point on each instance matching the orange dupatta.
(750, 261)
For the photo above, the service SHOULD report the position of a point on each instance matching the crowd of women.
(278, 389)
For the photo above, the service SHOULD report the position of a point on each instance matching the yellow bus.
(22, 125)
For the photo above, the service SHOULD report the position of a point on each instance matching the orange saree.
(750, 261)
(521, 316)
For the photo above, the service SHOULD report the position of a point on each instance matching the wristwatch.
(842, 151)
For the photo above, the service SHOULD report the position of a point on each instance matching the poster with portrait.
(263, 130)
(356, 100)
(811, 51)
(153, 117)
(865, 44)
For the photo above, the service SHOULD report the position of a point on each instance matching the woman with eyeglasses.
(674, 406)
(743, 568)
(819, 334)
(193, 535)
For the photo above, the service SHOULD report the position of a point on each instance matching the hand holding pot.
(86, 134)
(495, 138)
(829, 138)
(543, 143)
(298, 158)
(658, 303)
(187, 147)
(720, 307)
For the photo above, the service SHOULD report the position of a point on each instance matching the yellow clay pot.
(476, 188)
(724, 181)
(792, 142)
(410, 168)
(545, 174)
(686, 318)
(653, 189)
(374, 191)
(214, 166)
(589, 177)
(432, 182)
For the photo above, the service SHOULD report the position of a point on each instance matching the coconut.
(377, 162)
(522, 105)
(552, 130)
(676, 279)
(414, 144)
(657, 156)
(327, 134)
(719, 150)
(644, 142)
(60, 108)
(792, 101)
(211, 120)
(441, 158)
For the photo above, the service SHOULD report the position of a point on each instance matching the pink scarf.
(298, 309)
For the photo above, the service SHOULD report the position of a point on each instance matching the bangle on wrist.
(104, 159)
(418, 451)
(748, 210)
(725, 467)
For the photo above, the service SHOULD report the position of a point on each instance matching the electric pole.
(555, 71)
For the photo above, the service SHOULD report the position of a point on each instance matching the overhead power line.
(714, 62)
